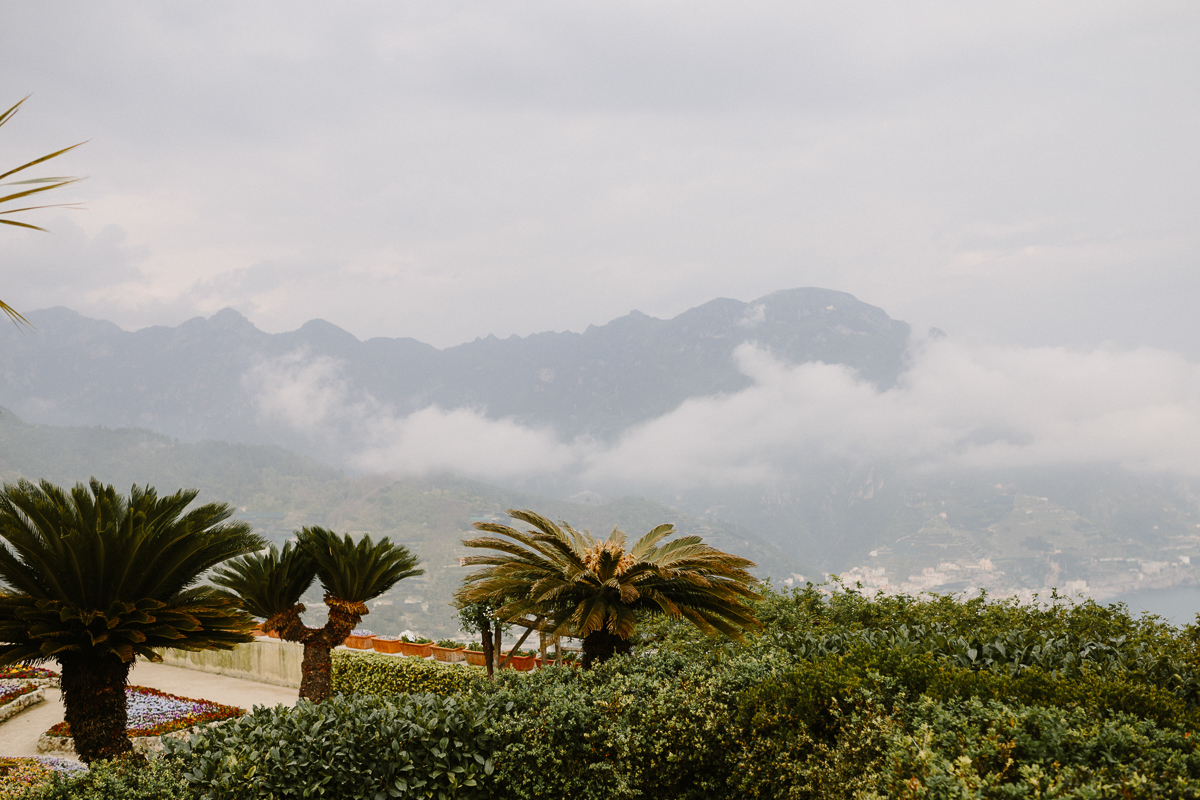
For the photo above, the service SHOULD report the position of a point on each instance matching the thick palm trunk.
(317, 667)
(93, 692)
(600, 646)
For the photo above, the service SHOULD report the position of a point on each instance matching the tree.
(96, 579)
(270, 585)
(42, 185)
(595, 590)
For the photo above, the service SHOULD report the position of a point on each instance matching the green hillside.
(278, 491)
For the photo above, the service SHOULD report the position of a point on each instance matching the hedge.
(376, 673)
(345, 748)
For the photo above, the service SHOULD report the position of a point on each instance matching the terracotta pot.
(358, 642)
(521, 663)
(419, 650)
(476, 658)
(449, 654)
(389, 646)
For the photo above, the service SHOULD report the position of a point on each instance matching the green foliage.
(268, 583)
(94, 572)
(357, 572)
(596, 590)
(118, 779)
(379, 674)
(989, 749)
(840, 697)
(347, 748)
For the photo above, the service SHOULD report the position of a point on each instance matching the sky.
(1020, 175)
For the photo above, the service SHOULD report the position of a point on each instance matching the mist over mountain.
(806, 425)
(205, 378)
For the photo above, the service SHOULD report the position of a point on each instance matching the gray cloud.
(1020, 174)
(957, 407)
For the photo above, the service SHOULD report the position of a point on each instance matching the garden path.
(19, 735)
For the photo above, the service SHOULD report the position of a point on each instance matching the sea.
(1178, 605)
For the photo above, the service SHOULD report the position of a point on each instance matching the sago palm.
(96, 579)
(21, 195)
(596, 589)
(271, 584)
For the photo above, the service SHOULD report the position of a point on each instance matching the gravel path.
(19, 734)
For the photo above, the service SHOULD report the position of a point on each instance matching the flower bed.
(16, 696)
(19, 774)
(153, 713)
(11, 690)
(20, 672)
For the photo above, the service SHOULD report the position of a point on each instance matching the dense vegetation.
(840, 697)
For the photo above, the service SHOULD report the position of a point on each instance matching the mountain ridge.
(188, 381)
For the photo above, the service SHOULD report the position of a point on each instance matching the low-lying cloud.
(956, 407)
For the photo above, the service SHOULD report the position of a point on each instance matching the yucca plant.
(96, 579)
(595, 590)
(39, 185)
(271, 584)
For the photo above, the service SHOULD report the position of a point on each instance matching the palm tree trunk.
(93, 692)
(488, 650)
(316, 669)
(600, 646)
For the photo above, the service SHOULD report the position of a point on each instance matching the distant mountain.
(189, 381)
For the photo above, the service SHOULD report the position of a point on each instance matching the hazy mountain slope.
(1106, 531)
(189, 381)
(278, 491)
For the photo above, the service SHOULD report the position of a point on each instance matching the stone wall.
(263, 660)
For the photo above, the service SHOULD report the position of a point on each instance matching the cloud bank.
(956, 407)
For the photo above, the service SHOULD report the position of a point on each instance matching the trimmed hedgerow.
(376, 673)
(350, 748)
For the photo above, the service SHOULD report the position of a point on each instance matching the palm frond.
(268, 583)
(356, 573)
(93, 570)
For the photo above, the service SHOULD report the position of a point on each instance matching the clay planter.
(448, 654)
(389, 646)
(358, 642)
(423, 650)
(521, 663)
(476, 658)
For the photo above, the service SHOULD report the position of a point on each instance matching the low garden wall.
(263, 660)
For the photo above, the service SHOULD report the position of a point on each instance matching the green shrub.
(992, 750)
(345, 748)
(119, 779)
(376, 673)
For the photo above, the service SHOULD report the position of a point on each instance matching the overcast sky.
(1014, 173)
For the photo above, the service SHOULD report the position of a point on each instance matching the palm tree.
(271, 584)
(42, 185)
(595, 589)
(96, 579)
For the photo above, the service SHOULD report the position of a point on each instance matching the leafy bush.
(986, 750)
(131, 778)
(829, 702)
(345, 748)
(376, 673)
